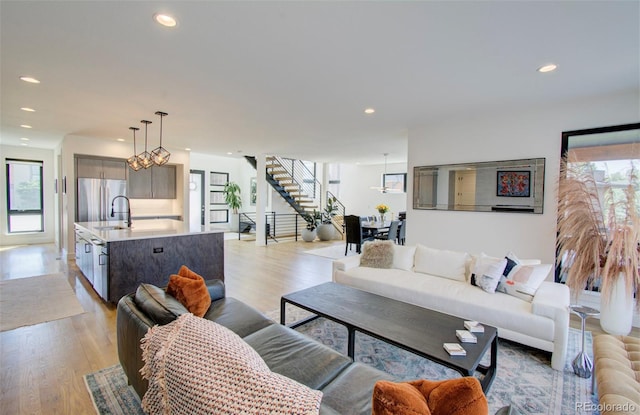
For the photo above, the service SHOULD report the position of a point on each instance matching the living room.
(470, 115)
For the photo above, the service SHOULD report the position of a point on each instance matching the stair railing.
(338, 219)
(302, 177)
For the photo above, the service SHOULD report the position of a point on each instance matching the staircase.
(298, 186)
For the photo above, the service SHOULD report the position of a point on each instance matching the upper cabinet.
(100, 168)
(157, 182)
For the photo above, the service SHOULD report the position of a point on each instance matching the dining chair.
(354, 233)
(391, 234)
(366, 233)
(402, 231)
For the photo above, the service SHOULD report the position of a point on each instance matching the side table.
(582, 365)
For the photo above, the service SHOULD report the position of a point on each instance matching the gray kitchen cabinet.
(84, 254)
(163, 182)
(139, 184)
(157, 182)
(101, 168)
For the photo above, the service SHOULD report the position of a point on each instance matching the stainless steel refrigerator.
(95, 197)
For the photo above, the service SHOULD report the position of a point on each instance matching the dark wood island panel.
(153, 260)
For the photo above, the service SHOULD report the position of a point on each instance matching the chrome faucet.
(128, 212)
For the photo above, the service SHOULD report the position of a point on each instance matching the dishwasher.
(101, 267)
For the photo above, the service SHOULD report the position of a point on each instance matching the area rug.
(524, 379)
(333, 251)
(34, 300)
(111, 394)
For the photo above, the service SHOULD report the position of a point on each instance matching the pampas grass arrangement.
(597, 234)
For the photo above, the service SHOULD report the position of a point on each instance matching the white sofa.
(542, 323)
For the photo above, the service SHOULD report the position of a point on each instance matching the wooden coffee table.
(409, 327)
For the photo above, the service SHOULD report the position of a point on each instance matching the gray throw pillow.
(159, 306)
(377, 254)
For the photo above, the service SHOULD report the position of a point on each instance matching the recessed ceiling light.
(229, 153)
(25, 126)
(30, 79)
(187, 149)
(24, 139)
(165, 20)
(369, 111)
(24, 144)
(120, 139)
(28, 109)
(548, 68)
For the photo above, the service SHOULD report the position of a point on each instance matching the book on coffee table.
(466, 336)
(454, 349)
(473, 326)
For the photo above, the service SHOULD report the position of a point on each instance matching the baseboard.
(592, 299)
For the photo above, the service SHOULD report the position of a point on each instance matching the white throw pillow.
(513, 260)
(529, 276)
(403, 257)
(487, 272)
(524, 280)
(441, 263)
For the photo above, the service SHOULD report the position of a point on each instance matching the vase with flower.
(598, 233)
(382, 209)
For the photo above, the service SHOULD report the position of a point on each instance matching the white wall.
(524, 133)
(358, 197)
(48, 173)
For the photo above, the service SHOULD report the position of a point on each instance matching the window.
(217, 181)
(333, 179)
(24, 196)
(395, 181)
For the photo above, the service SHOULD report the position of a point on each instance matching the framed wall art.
(253, 191)
(512, 183)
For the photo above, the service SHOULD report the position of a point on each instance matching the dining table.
(372, 228)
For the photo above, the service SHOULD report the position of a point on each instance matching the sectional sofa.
(440, 280)
(346, 386)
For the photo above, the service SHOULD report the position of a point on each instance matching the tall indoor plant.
(309, 232)
(598, 231)
(326, 231)
(234, 200)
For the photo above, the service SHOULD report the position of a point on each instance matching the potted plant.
(326, 231)
(598, 231)
(232, 198)
(309, 233)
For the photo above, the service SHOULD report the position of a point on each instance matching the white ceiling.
(293, 78)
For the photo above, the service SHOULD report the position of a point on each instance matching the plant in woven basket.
(598, 230)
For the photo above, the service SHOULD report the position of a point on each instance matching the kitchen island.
(116, 259)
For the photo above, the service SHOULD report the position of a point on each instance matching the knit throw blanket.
(195, 366)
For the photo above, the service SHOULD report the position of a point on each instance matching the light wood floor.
(42, 366)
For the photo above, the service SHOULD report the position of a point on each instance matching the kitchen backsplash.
(155, 207)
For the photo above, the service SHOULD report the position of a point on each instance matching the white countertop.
(110, 231)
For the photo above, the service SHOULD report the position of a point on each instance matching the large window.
(24, 196)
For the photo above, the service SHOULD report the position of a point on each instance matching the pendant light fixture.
(133, 160)
(144, 158)
(383, 188)
(160, 155)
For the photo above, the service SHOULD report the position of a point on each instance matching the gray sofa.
(347, 386)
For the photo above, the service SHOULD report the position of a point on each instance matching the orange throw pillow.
(190, 289)
(390, 398)
(462, 396)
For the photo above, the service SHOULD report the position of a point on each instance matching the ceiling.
(293, 78)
